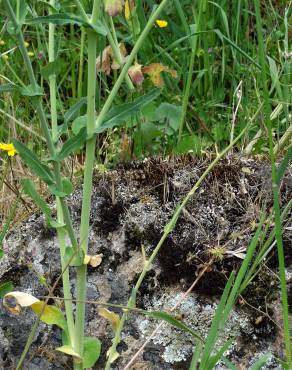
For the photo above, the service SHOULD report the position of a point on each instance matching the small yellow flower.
(26, 44)
(2, 42)
(5, 56)
(9, 148)
(30, 53)
(161, 23)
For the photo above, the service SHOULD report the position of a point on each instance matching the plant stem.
(87, 185)
(275, 187)
(61, 233)
(81, 62)
(167, 230)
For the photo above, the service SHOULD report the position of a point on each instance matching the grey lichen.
(198, 314)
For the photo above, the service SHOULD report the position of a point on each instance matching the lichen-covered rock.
(130, 207)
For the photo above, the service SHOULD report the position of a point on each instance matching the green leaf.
(1, 253)
(213, 360)
(51, 68)
(148, 131)
(92, 349)
(169, 112)
(121, 113)
(72, 113)
(160, 315)
(66, 190)
(34, 163)
(284, 164)
(31, 91)
(74, 143)
(65, 18)
(60, 19)
(51, 315)
(23, 9)
(5, 288)
(190, 143)
(8, 88)
(98, 28)
(68, 350)
(261, 361)
(73, 257)
(29, 189)
(79, 123)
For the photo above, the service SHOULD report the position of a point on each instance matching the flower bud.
(113, 7)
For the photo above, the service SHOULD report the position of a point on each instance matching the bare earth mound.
(130, 208)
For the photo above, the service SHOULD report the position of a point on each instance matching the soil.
(130, 207)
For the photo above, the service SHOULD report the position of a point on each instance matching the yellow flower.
(9, 148)
(161, 23)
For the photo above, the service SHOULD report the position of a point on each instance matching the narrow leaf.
(284, 164)
(121, 113)
(31, 91)
(74, 143)
(74, 110)
(217, 357)
(29, 189)
(65, 18)
(160, 315)
(34, 163)
(8, 88)
(261, 361)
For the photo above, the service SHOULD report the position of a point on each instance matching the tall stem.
(81, 63)
(87, 192)
(61, 233)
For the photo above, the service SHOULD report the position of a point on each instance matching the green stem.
(167, 230)
(17, 10)
(87, 191)
(275, 187)
(66, 276)
(73, 71)
(61, 233)
(81, 63)
(129, 62)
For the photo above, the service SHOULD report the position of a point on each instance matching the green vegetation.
(87, 84)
